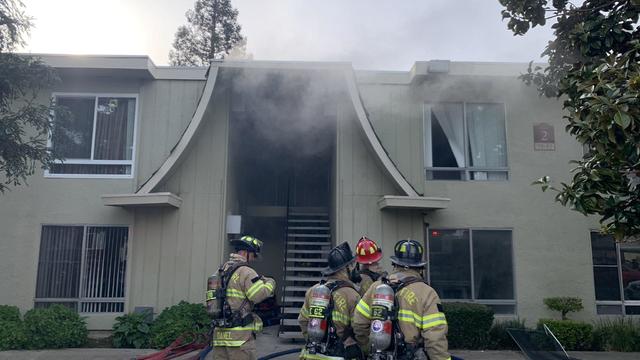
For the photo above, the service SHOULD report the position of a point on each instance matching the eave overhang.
(162, 199)
(412, 203)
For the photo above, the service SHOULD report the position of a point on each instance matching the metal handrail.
(286, 246)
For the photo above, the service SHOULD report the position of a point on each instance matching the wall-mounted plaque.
(543, 137)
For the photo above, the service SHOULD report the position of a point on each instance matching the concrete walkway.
(268, 343)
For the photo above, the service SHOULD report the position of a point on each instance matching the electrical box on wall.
(234, 224)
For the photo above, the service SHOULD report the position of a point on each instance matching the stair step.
(309, 228)
(320, 260)
(290, 322)
(308, 251)
(303, 278)
(290, 335)
(294, 299)
(319, 243)
(304, 268)
(291, 310)
(308, 221)
(309, 214)
(310, 235)
(295, 288)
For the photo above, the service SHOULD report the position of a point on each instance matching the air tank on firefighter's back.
(213, 304)
(318, 304)
(380, 333)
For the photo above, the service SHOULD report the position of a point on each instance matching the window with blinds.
(83, 267)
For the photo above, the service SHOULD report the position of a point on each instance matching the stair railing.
(285, 252)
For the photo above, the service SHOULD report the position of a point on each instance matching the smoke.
(293, 112)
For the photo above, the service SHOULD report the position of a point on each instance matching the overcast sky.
(373, 34)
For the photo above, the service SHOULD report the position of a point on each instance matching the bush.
(54, 327)
(12, 335)
(499, 339)
(469, 325)
(573, 335)
(9, 313)
(132, 331)
(564, 305)
(617, 335)
(184, 318)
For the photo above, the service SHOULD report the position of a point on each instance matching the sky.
(372, 34)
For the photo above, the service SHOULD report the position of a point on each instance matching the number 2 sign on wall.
(543, 137)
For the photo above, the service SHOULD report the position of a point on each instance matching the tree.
(211, 33)
(564, 305)
(594, 67)
(24, 121)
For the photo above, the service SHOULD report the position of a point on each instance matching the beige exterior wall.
(173, 250)
(551, 244)
(76, 201)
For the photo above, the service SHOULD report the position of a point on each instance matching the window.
(83, 267)
(473, 265)
(95, 136)
(616, 275)
(465, 141)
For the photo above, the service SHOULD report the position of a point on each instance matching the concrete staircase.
(307, 244)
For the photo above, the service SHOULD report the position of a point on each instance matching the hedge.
(573, 335)
(174, 321)
(499, 339)
(618, 334)
(469, 325)
(12, 334)
(54, 327)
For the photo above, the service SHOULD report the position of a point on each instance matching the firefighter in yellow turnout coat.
(341, 277)
(420, 317)
(245, 288)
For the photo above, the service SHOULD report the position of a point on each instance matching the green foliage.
(620, 334)
(211, 33)
(12, 335)
(54, 327)
(9, 313)
(499, 339)
(189, 320)
(573, 335)
(594, 64)
(564, 305)
(24, 121)
(469, 325)
(132, 331)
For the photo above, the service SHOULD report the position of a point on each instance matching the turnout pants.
(245, 352)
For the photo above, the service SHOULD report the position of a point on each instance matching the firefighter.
(327, 325)
(368, 256)
(234, 337)
(414, 311)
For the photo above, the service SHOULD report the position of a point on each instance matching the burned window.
(465, 141)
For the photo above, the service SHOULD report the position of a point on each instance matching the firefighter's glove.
(353, 352)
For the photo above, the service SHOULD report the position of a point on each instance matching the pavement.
(268, 343)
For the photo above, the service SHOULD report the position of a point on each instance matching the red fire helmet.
(367, 251)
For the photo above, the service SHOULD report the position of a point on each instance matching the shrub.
(132, 331)
(573, 335)
(564, 305)
(9, 313)
(469, 325)
(618, 334)
(54, 327)
(12, 335)
(499, 339)
(184, 318)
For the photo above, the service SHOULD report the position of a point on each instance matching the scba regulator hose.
(280, 353)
